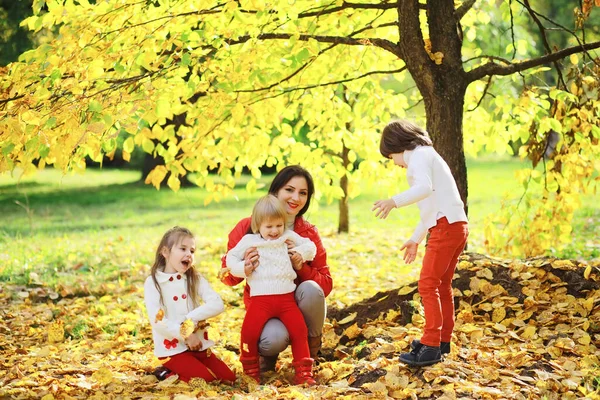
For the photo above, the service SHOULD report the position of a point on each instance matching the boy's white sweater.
(177, 308)
(432, 187)
(275, 274)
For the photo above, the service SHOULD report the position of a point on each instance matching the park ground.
(75, 249)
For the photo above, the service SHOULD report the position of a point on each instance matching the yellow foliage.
(56, 332)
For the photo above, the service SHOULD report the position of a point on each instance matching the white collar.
(162, 277)
(408, 154)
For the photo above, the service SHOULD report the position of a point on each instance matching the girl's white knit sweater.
(275, 274)
(177, 308)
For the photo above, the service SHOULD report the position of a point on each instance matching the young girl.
(272, 286)
(173, 294)
(434, 190)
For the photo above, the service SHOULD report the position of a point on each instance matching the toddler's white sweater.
(274, 274)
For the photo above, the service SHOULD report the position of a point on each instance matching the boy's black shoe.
(421, 356)
(161, 373)
(444, 346)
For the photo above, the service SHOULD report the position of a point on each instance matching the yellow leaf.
(587, 272)
(499, 314)
(237, 112)
(103, 376)
(529, 332)
(563, 264)
(187, 328)
(406, 290)
(251, 186)
(173, 182)
(352, 331)
(156, 176)
(159, 315)
(588, 303)
(56, 332)
(574, 59)
(349, 318)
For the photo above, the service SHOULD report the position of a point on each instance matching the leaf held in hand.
(187, 328)
(159, 315)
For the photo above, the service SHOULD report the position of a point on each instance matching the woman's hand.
(411, 251)
(250, 260)
(193, 342)
(383, 208)
(296, 259)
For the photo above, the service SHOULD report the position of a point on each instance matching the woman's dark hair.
(399, 136)
(285, 175)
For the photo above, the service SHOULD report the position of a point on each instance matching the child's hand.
(290, 244)
(249, 269)
(411, 251)
(296, 259)
(383, 208)
(193, 342)
(251, 256)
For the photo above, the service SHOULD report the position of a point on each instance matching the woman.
(293, 186)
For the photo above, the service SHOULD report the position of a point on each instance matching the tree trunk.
(445, 125)
(443, 82)
(344, 218)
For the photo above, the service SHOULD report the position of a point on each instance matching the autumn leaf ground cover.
(75, 251)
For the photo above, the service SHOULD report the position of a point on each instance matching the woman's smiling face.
(293, 195)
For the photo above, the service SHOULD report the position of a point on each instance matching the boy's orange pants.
(446, 242)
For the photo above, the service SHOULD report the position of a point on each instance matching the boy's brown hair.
(401, 135)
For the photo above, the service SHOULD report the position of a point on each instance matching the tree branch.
(463, 9)
(347, 5)
(381, 43)
(294, 89)
(545, 41)
(492, 68)
(487, 86)
(564, 28)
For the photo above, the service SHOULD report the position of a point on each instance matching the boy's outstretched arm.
(383, 208)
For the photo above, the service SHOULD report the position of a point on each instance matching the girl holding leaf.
(178, 302)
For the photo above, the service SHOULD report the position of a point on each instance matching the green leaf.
(129, 145)
(95, 106)
(8, 149)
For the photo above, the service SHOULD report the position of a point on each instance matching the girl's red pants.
(199, 364)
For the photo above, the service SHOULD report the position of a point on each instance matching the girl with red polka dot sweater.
(178, 302)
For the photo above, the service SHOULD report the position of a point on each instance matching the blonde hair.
(171, 238)
(267, 207)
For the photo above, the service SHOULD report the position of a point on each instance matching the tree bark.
(344, 217)
(445, 125)
(443, 86)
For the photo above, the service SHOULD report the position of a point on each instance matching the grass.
(100, 228)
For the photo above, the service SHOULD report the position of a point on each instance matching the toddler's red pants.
(262, 309)
(446, 242)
